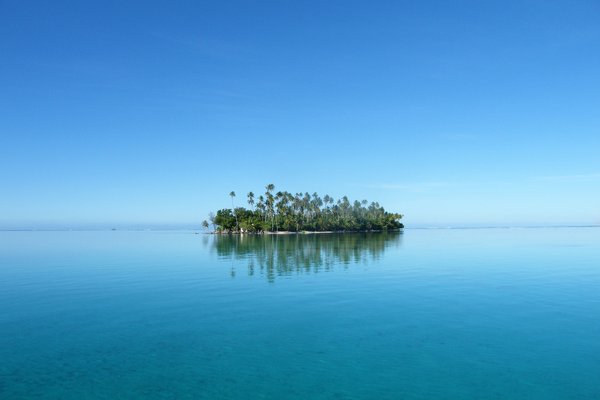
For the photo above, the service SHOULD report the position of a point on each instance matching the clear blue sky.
(451, 112)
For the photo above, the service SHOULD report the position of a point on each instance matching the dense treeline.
(284, 211)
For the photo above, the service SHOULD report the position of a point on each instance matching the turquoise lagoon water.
(426, 314)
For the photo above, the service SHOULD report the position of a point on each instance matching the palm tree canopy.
(304, 212)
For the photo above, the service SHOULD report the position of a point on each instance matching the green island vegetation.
(286, 212)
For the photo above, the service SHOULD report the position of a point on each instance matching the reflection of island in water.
(279, 255)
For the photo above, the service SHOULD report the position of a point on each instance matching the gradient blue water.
(429, 314)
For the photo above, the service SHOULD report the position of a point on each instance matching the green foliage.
(225, 220)
(284, 211)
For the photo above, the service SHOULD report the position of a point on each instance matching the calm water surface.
(427, 314)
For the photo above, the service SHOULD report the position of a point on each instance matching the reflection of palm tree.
(283, 255)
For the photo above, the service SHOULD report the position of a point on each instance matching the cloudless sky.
(150, 112)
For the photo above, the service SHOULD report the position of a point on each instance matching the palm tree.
(302, 211)
(232, 195)
(251, 199)
(306, 205)
(211, 218)
(297, 206)
(270, 202)
(282, 208)
(260, 206)
(270, 210)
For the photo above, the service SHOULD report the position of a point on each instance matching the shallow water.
(427, 314)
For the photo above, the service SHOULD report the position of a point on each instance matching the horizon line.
(189, 228)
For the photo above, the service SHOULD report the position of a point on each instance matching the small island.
(284, 212)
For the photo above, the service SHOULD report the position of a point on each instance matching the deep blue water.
(427, 314)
